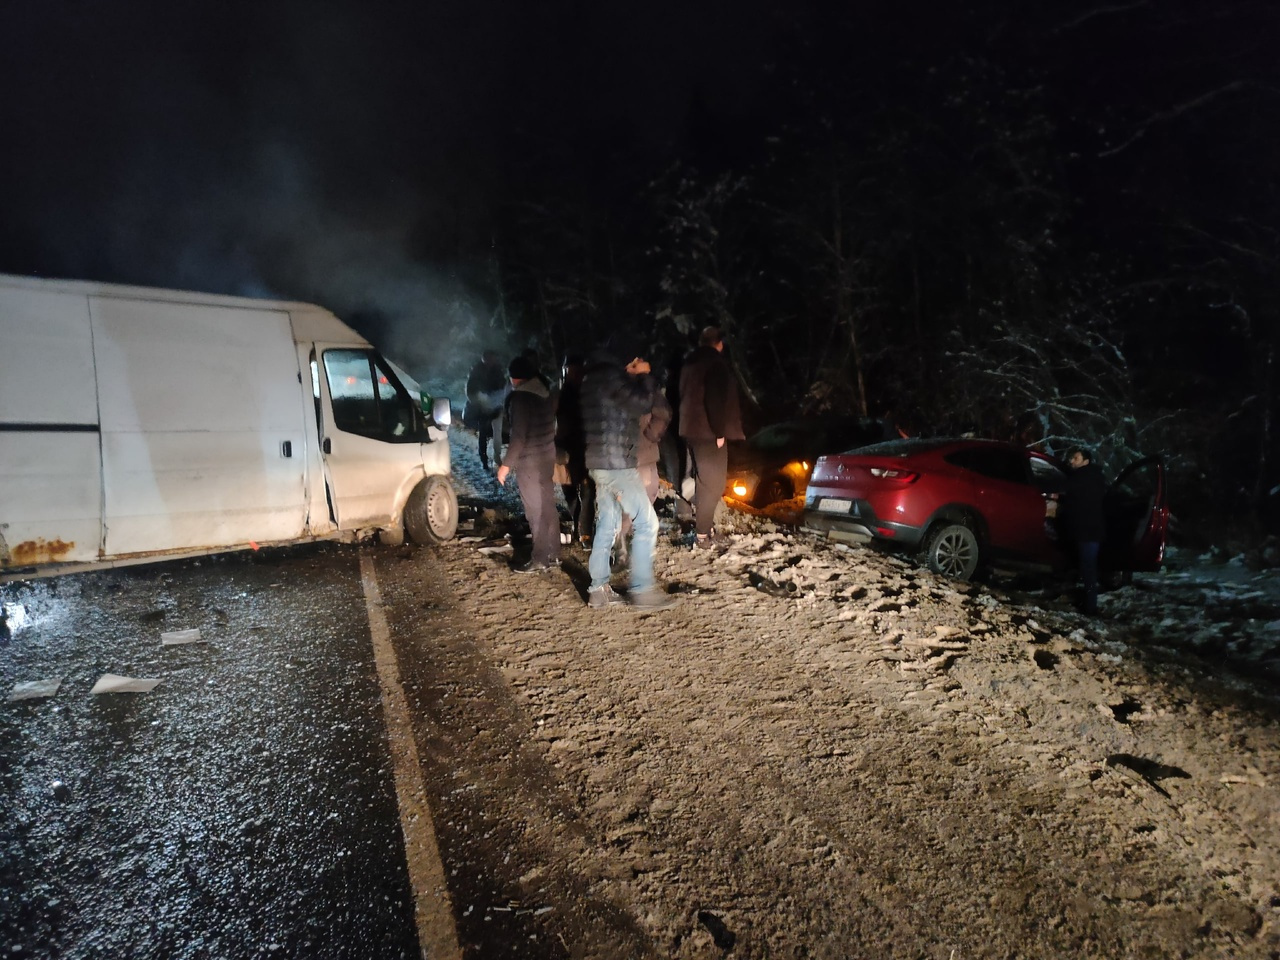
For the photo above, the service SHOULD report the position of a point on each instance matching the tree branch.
(1267, 259)
(1177, 111)
(1099, 12)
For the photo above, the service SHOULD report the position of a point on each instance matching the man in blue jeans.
(617, 389)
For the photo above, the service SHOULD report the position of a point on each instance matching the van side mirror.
(437, 410)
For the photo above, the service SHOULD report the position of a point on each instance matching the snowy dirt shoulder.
(822, 751)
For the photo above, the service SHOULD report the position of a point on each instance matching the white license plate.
(830, 505)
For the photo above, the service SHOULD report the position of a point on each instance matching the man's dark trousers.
(711, 464)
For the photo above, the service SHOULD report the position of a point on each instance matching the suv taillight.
(898, 476)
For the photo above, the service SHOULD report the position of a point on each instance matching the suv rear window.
(1007, 465)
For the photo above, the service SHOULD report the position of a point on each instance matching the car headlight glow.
(741, 486)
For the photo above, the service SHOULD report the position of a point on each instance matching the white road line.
(437, 937)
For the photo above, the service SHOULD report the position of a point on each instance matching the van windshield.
(367, 397)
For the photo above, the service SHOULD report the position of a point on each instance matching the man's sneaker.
(652, 599)
(600, 597)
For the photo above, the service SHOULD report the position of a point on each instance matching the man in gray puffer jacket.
(531, 453)
(617, 389)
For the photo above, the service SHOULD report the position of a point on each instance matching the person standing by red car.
(1081, 518)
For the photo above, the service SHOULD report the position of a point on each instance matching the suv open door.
(1137, 514)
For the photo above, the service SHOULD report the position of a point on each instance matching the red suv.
(962, 502)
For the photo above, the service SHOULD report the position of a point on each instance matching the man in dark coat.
(486, 386)
(671, 450)
(531, 455)
(531, 355)
(1082, 519)
(710, 415)
(617, 390)
(571, 444)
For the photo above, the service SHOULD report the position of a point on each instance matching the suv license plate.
(829, 505)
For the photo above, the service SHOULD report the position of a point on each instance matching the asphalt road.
(244, 807)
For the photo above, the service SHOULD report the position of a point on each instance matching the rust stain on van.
(39, 551)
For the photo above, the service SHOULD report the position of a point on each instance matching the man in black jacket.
(531, 454)
(571, 444)
(1083, 520)
(710, 416)
(617, 389)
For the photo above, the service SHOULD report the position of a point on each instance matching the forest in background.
(1054, 227)
(1048, 221)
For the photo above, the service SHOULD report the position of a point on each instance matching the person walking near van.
(531, 355)
(617, 390)
(486, 389)
(710, 416)
(531, 455)
(1082, 518)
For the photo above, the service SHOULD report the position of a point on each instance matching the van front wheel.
(431, 512)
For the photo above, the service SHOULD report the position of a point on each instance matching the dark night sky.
(358, 154)
(143, 133)
(364, 154)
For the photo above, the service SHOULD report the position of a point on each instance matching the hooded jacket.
(486, 385)
(709, 406)
(533, 426)
(613, 402)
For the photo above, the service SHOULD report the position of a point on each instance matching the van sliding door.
(202, 430)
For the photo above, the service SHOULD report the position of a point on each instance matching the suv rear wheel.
(771, 491)
(952, 550)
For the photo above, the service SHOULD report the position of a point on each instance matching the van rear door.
(202, 431)
(371, 438)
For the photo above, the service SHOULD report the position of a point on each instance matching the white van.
(137, 424)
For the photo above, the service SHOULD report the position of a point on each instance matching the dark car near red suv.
(965, 502)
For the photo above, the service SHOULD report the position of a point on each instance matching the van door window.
(367, 397)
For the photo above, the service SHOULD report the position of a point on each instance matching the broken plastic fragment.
(35, 689)
(113, 683)
(175, 637)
